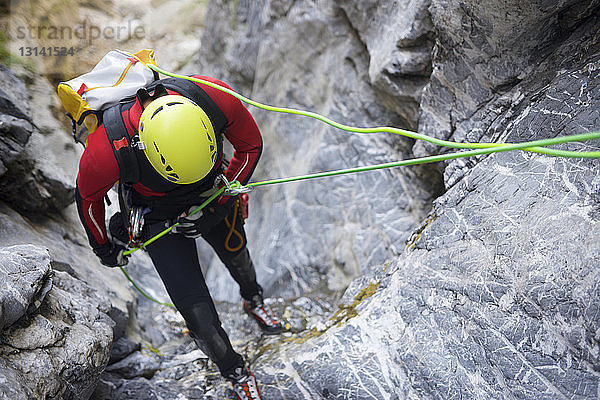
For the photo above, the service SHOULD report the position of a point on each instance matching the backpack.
(118, 75)
(96, 97)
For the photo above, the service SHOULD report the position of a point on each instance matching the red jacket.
(98, 169)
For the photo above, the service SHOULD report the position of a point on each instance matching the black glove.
(202, 222)
(117, 228)
(111, 255)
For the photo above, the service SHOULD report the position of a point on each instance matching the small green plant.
(9, 59)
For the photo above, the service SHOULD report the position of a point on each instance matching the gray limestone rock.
(12, 386)
(231, 50)
(15, 126)
(323, 233)
(177, 368)
(512, 51)
(489, 292)
(63, 235)
(493, 295)
(496, 298)
(59, 350)
(37, 159)
(399, 53)
(15, 133)
(25, 279)
(136, 364)
(121, 348)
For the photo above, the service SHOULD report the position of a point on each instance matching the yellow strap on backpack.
(118, 75)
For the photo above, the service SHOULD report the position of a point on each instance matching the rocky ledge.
(56, 331)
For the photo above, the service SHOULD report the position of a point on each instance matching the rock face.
(56, 332)
(15, 126)
(338, 228)
(495, 293)
(507, 70)
(476, 278)
(37, 171)
(23, 287)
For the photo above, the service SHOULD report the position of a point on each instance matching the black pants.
(176, 260)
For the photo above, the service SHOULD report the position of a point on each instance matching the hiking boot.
(244, 384)
(264, 316)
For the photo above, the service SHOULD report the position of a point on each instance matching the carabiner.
(136, 224)
(234, 188)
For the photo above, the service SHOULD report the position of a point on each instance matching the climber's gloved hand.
(117, 229)
(111, 254)
(202, 222)
(190, 225)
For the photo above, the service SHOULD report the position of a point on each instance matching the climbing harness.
(474, 149)
(234, 188)
(238, 206)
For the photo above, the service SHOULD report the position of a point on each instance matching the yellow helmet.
(178, 139)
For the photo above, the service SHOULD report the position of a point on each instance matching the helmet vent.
(159, 109)
(173, 103)
(173, 177)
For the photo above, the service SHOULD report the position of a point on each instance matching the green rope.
(414, 161)
(235, 185)
(146, 295)
(438, 158)
(382, 129)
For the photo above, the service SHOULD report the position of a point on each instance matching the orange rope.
(232, 230)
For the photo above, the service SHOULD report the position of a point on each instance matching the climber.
(172, 131)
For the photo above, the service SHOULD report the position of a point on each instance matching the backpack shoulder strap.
(198, 95)
(120, 142)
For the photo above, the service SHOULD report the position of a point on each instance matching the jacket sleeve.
(242, 132)
(98, 172)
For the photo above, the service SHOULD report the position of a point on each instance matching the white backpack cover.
(118, 75)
